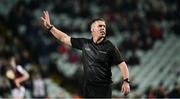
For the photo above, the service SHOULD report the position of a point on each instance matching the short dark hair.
(94, 20)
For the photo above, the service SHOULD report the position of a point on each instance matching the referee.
(98, 55)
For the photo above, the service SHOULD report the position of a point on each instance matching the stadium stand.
(145, 31)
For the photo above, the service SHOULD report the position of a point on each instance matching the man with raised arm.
(99, 54)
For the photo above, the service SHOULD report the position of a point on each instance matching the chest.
(98, 53)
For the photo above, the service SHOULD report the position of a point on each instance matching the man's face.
(98, 29)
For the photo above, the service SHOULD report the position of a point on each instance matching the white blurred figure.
(39, 87)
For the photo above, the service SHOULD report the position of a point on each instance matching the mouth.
(103, 33)
(102, 30)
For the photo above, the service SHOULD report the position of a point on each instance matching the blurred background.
(147, 33)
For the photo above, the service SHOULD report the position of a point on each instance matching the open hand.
(45, 19)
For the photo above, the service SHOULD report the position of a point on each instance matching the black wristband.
(126, 80)
(49, 29)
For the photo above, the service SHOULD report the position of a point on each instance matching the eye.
(102, 26)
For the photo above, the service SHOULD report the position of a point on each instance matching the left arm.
(117, 59)
(24, 77)
(125, 89)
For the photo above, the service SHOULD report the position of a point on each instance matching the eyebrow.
(101, 25)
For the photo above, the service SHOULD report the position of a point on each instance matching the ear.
(92, 29)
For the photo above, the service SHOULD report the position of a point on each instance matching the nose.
(102, 28)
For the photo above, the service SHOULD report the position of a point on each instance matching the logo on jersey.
(102, 52)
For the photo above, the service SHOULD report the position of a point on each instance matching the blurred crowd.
(141, 22)
(161, 92)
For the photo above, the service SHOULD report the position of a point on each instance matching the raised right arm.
(63, 37)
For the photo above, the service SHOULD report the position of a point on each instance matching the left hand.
(125, 89)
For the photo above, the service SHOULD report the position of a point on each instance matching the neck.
(98, 40)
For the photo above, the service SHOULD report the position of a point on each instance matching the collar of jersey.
(103, 41)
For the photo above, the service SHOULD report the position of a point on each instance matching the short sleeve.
(20, 69)
(116, 56)
(77, 43)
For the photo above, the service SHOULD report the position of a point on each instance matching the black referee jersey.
(97, 60)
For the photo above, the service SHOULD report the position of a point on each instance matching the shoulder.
(19, 68)
(109, 44)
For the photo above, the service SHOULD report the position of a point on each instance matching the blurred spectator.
(151, 93)
(175, 92)
(73, 57)
(161, 91)
(4, 88)
(39, 87)
(156, 31)
(62, 49)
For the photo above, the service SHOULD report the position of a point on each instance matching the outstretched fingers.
(44, 14)
(42, 18)
(45, 19)
(47, 15)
